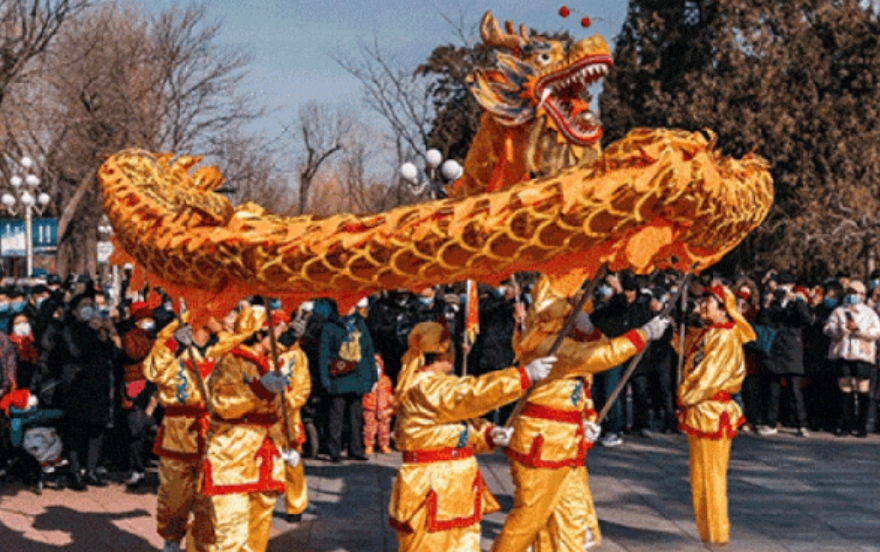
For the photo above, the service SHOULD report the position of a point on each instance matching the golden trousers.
(459, 539)
(551, 508)
(242, 521)
(296, 496)
(178, 496)
(709, 459)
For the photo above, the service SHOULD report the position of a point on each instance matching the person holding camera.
(788, 313)
(854, 329)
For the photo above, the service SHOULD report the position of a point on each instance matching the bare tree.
(118, 78)
(397, 94)
(323, 134)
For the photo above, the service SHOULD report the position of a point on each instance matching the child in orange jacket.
(378, 410)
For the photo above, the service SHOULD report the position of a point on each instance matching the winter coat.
(787, 352)
(87, 372)
(335, 334)
(860, 345)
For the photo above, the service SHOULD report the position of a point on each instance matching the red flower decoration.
(564, 11)
(586, 22)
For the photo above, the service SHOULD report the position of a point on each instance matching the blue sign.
(12, 236)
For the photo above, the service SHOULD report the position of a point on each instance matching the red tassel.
(564, 11)
(586, 22)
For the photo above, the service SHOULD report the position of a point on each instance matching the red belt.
(722, 396)
(185, 410)
(250, 419)
(546, 413)
(428, 456)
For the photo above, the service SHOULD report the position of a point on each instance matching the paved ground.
(786, 494)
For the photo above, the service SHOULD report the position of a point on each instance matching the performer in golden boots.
(439, 497)
(244, 469)
(294, 360)
(181, 438)
(552, 503)
(714, 370)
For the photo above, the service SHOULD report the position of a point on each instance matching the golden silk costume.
(243, 467)
(714, 370)
(181, 439)
(548, 451)
(296, 498)
(439, 497)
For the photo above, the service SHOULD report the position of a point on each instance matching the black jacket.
(787, 352)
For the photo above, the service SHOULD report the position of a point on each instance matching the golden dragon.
(537, 194)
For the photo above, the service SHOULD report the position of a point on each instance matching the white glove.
(33, 402)
(501, 435)
(184, 335)
(275, 382)
(592, 431)
(655, 329)
(291, 457)
(539, 368)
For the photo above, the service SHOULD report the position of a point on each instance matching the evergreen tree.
(796, 82)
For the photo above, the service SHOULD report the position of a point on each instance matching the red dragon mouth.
(560, 93)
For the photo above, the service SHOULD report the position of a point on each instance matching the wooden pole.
(566, 329)
(274, 347)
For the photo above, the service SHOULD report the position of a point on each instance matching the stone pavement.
(786, 494)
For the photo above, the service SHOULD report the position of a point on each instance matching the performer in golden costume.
(714, 370)
(244, 467)
(181, 438)
(439, 497)
(296, 498)
(547, 452)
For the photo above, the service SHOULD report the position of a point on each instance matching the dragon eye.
(544, 58)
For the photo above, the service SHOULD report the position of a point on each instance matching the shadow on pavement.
(86, 531)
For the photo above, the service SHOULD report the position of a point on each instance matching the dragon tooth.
(544, 95)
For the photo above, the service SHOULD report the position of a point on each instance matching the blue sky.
(291, 41)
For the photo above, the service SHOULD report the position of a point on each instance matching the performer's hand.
(592, 431)
(501, 435)
(655, 328)
(33, 402)
(583, 323)
(291, 456)
(275, 382)
(184, 335)
(540, 368)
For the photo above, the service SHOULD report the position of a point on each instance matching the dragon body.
(537, 195)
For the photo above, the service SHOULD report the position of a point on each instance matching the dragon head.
(539, 79)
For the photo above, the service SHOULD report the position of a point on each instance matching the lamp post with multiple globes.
(436, 175)
(26, 198)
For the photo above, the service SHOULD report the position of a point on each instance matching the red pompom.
(564, 11)
(585, 22)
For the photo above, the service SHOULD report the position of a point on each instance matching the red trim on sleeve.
(171, 345)
(488, 432)
(524, 380)
(261, 362)
(635, 337)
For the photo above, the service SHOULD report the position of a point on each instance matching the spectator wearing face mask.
(6, 312)
(822, 395)
(23, 339)
(788, 313)
(82, 356)
(854, 329)
(138, 395)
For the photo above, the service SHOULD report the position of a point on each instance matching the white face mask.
(22, 329)
(147, 325)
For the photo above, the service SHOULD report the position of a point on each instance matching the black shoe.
(358, 457)
(860, 433)
(77, 482)
(294, 518)
(336, 459)
(95, 480)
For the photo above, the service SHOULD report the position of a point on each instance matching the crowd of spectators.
(77, 347)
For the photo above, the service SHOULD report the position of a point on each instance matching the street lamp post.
(435, 177)
(26, 198)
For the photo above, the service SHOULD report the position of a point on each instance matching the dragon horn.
(492, 35)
